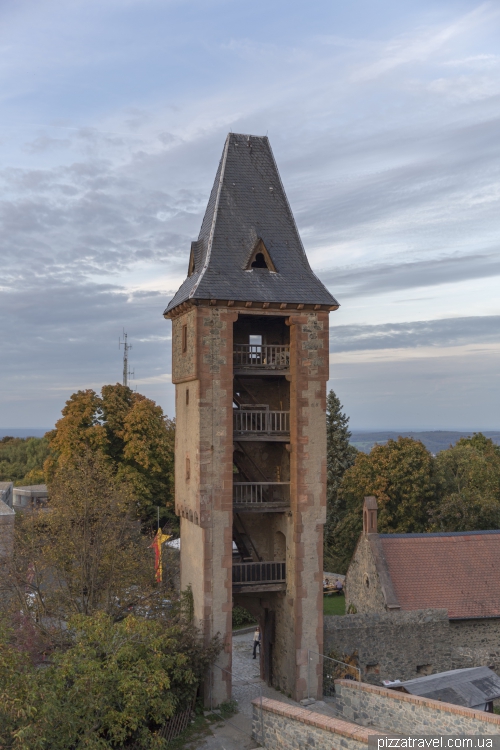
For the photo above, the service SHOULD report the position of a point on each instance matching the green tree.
(133, 434)
(114, 686)
(340, 456)
(469, 476)
(22, 460)
(401, 475)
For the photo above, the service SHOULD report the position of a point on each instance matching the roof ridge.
(214, 218)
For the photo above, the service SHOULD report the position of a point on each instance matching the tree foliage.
(115, 686)
(340, 456)
(469, 478)
(22, 459)
(401, 476)
(83, 555)
(132, 433)
(457, 490)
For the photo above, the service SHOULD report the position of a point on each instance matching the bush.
(115, 686)
(242, 616)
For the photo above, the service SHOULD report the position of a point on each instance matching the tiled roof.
(457, 571)
(248, 203)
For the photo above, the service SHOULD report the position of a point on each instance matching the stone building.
(420, 603)
(30, 497)
(250, 361)
(6, 489)
(7, 516)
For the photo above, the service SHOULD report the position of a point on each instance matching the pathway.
(235, 734)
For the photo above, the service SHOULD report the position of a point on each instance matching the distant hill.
(435, 441)
(28, 432)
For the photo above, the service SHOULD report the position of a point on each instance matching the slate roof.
(458, 571)
(472, 687)
(248, 203)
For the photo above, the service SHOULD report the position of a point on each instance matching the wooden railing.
(260, 356)
(261, 421)
(259, 572)
(259, 493)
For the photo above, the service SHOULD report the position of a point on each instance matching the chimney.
(370, 515)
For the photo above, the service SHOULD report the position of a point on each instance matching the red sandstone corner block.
(328, 724)
(416, 699)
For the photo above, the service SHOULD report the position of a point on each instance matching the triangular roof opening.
(194, 258)
(191, 263)
(260, 258)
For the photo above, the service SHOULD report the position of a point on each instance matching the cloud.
(389, 277)
(448, 332)
(386, 135)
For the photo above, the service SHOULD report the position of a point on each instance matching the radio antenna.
(126, 349)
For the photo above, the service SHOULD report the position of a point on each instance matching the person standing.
(256, 641)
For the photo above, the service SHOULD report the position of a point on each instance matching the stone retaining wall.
(370, 705)
(291, 728)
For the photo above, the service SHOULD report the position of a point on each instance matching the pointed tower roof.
(249, 248)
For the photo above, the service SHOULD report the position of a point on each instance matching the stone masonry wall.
(309, 369)
(287, 727)
(392, 645)
(363, 589)
(404, 645)
(370, 705)
(203, 491)
(475, 643)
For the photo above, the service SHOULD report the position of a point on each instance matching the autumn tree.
(340, 456)
(401, 475)
(134, 436)
(84, 554)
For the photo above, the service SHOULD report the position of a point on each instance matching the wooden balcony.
(261, 497)
(261, 359)
(259, 576)
(259, 423)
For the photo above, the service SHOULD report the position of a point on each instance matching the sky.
(384, 119)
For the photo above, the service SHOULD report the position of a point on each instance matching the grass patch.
(334, 605)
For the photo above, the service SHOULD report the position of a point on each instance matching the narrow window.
(184, 339)
(188, 468)
(187, 396)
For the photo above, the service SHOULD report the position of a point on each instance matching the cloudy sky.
(384, 118)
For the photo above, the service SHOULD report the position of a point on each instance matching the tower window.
(260, 258)
(184, 339)
(260, 261)
(187, 396)
(188, 468)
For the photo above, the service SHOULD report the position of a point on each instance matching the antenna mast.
(126, 348)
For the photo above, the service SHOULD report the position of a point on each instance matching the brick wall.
(290, 728)
(370, 705)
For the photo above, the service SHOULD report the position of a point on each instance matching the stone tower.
(250, 365)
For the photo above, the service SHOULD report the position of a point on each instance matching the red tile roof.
(456, 571)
